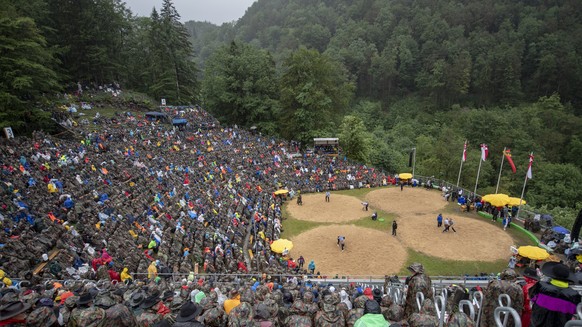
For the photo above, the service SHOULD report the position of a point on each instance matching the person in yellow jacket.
(232, 302)
(125, 276)
(152, 270)
(7, 281)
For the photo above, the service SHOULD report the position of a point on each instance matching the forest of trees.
(49, 46)
(385, 76)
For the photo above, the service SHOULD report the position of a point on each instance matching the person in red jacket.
(531, 278)
(114, 275)
(241, 267)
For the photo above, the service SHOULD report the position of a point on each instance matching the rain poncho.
(125, 275)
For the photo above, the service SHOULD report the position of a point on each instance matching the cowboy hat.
(530, 273)
(188, 312)
(166, 295)
(136, 299)
(12, 309)
(559, 271)
(85, 298)
(150, 302)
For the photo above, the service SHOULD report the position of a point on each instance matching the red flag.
(507, 154)
(484, 151)
(531, 158)
(465, 152)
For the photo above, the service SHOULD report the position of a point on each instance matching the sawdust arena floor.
(374, 252)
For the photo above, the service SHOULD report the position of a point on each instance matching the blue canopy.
(179, 121)
(560, 230)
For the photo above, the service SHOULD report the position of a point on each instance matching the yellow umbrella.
(279, 192)
(533, 252)
(515, 201)
(281, 244)
(405, 176)
(497, 200)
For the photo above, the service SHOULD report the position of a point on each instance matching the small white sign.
(8, 132)
(163, 102)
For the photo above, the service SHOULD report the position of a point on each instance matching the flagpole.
(478, 171)
(522, 191)
(462, 160)
(500, 168)
(413, 160)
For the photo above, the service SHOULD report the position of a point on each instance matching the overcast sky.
(214, 11)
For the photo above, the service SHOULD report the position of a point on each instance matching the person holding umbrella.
(554, 302)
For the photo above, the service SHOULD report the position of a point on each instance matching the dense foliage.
(51, 45)
(383, 75)
(429, 75)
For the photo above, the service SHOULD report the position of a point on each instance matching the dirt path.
(418, 208)
(367, 251)
(372, 252)
(341, 208)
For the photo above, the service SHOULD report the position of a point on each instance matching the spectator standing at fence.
(311, 267)
(301, 261)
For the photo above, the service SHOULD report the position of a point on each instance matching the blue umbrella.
(560, 229)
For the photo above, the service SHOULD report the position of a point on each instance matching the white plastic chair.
(574, 323)
(467, 304)
(419, 300)
(504, 298)
(440, 307)
(478, 303)
(506, 311)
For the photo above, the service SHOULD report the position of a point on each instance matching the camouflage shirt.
(358, 310)
(41, 316)
(330, 316)
(148, 318)
(330, 319)
(417, 283)
(119, 316)
(87, 317)
(460, 319)
(299, 315)
(214, 317)
(241, 316)
(491, 296)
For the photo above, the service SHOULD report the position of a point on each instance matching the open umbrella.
(281, 244)
(497, 200)
(405, 175)
(560, 230)
(515, 201)
(533, 252)
(279, 192)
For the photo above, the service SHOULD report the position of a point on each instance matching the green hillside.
(384, 76)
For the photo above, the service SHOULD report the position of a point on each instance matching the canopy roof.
(179, 121)
(155, 114)
(326, 140)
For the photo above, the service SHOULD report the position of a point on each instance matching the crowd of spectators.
(116, 226)
(129, 193)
